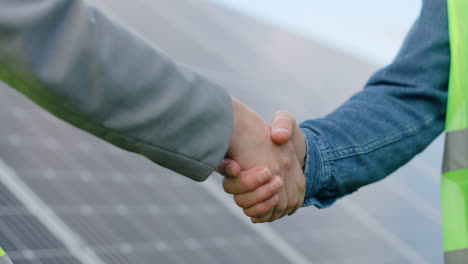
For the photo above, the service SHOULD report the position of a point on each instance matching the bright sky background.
(370, 29)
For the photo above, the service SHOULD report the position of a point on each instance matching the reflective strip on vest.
(454, 182)
(456, 151)
(456, 257)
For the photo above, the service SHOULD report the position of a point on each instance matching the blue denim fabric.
(399, 113)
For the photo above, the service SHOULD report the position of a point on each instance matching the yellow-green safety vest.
(454, 183)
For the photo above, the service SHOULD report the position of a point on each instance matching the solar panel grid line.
(388, 237)
(7, 200)
(269, 235)
(14, 239)
(31, 232)
(72, 241)
(101, 190)
(73, 175)
(32, 242)
(191, 246)
(200, 225)
(7, 244)
(103, 228)
(428, 170)
(97, 232)
(143, 232)
(40, 253)
(88, 209)
(149, 210)
(174, 245)
(415, 200)
(4, 259)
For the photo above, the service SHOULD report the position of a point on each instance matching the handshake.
(263, 165)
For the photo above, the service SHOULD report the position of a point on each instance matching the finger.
(292, 213)
(262, 219)
(259, 195)
(291, 186)
(229, 168)
(280, 207)
(282, 127)
(262, 208)
(248, 180)
(301, 190)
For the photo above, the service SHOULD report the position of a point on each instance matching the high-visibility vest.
(454, 182)
(4, 258)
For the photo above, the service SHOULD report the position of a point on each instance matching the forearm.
(381, 128)
(89, 71)
(342, 157)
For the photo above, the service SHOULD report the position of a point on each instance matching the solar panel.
(26, 239)
(127, 210)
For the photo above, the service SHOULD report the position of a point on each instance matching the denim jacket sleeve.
(399, 113)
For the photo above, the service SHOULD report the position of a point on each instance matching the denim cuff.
(314, 171)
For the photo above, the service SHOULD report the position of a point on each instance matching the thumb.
(282, 127)
(229, 168)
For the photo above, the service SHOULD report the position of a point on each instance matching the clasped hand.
(263, 168)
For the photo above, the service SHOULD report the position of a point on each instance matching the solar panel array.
(124, 209)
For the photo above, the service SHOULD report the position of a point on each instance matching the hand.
(284, 128)
(258, 197)
(256, 190)
(250, 146)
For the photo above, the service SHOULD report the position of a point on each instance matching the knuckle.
(281, 207)
(263, 208)
(300, 181)
(274, 217)
(241, 201)
(292, 204)
(273, 201)
(254, 212)
(264, 218)
(276, 169)
(298, 207)
(261, 219)
(266, 192)
(285, 162)
(227, 188)
(246, 184)
(249, 213)
(271, 220)
(302, 187)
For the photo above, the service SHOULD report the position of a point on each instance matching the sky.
(370, 29)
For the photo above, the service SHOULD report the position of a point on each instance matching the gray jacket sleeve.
(76, 63)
